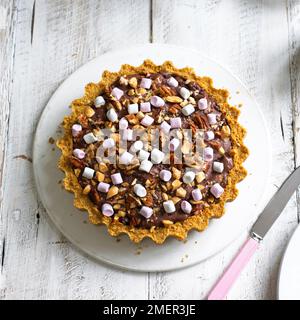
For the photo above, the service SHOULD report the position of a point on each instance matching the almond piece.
(165, 196)
(180, 192)
(103, 167)
(176, 200)
(226, 131)
(200, 176)
(133, 82)
(167, 222)
(100, 176)
(173, 99)
(176, 173)
(86, 189)
(89, 112)
(114, 190)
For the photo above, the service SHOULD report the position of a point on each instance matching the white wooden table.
(42, 42)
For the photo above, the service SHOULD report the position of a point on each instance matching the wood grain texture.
(43, 42)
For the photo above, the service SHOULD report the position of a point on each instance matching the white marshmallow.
(107, 210)
(89, 138)
(103, 187)
(99, 102)
(169, 206)
(108, 143)
(208, 154)
(117, 93)
(174, 144)
(209, 135)
(125, 158)
(218, 166)
(184, 92)
(146, 166)
(145, 107)
(175, 123)
(133, 108)
(186, 207)
(136, 146)
(147, 121)
(172, 82)
(139, 190)
(157, 101)
(188, 109)
(123, 124)
(212, 118)
(76, 129)
(146, 212)
(112, 115)
(189, 177)
(146, 83)
(127, 134)
(216, 190)
(88, 173)
(78, 153)
(165, 175)
(116, 178)
(202, 104)
(165, 127)
(143, 155)
(196, 194)
(157, 156)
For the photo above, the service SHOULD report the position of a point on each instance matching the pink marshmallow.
(103, 187)
(208, 154)
(165, 127)
(107, 210)
(117, 93)
(165, 175)
(202, 104)
(78, 153)
(196, 194)
(212, 118)
(157, 101)
(216, 190)
(146, 83)
(146, 212)
(145, 107)
(175, 123)
(76, 128)
(209, 135)
(116, 178)
(186, 207)
(147, 121)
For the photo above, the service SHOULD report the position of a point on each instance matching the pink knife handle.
(222, 287)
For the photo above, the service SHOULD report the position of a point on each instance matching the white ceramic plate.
(289, 275)
(173, 254)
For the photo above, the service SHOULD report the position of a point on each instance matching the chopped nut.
(176, 173)
(112, 192)
(121, 213)
(184, 103)
(200, 176)
(89, 112)
(173, 99)
(192, 100)
(86, 189)
(152, 229)
(133, 82)
(117, 206)
(176, 200)
(103, 167)
(167, 222)
(141, 91)
(134, 182)
(165, 196)
(176, 184)
(77, 172)
(131, 92)
(164, 187)
(180, 192)
(221, 151)
(132, 118)
(140, 115)
(226, 131)
(124, 81)
(100, 176)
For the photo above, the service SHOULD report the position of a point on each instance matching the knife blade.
(275, 206)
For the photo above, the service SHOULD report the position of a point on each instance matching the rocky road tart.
(141, 194)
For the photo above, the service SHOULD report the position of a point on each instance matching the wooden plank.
(240, 35)
(53, 38)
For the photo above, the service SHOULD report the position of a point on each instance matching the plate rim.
(106, 261)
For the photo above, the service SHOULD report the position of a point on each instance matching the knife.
(260, 228)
